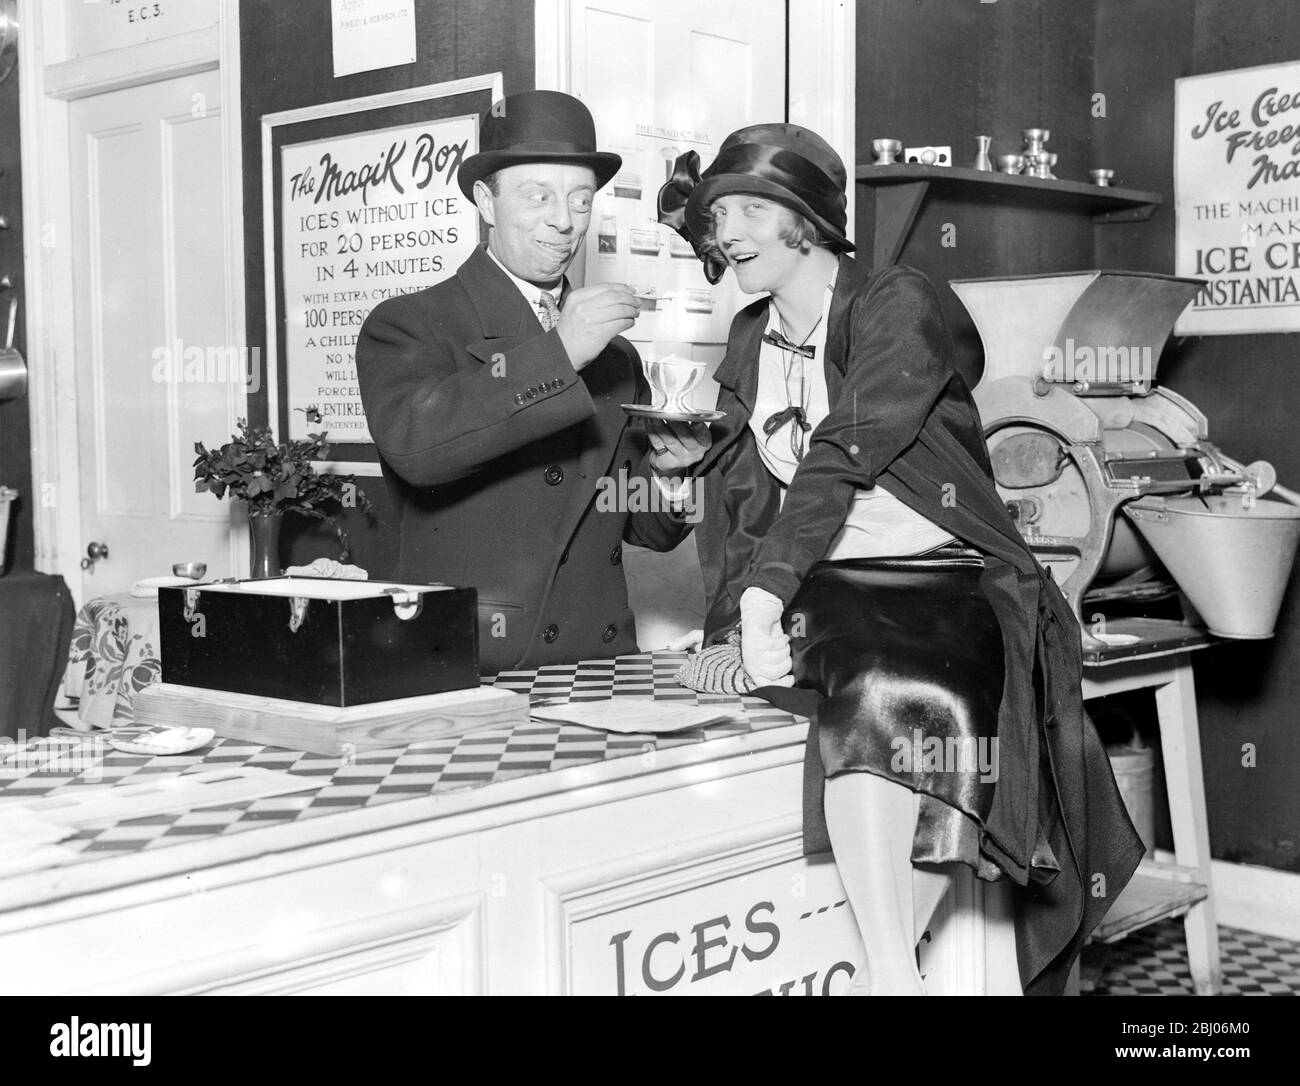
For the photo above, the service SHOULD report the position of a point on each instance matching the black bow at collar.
(778, 340)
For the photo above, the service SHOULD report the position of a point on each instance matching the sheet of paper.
(29, 842)
(21, 829)
(371, 34)
(103, 805)
(637, 716)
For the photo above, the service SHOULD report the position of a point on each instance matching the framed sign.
(361, 204)
(1237, 198)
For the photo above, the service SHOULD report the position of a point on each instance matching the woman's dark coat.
(900, 414)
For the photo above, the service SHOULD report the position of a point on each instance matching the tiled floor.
(1154, 962)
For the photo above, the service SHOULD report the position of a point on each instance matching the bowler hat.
(786, 162)
(536, 126)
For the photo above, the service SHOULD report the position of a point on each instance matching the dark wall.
(934, 72)
(931, 72)
(287, 61)
(1247, 385)
(15, 429)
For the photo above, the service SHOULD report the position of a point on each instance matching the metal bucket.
(1134, 769)
(1231, 560)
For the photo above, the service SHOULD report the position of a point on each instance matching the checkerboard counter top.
(480, 775)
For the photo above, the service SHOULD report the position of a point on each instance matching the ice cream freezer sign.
(1237, 194)
(365, 217)
(784, 929)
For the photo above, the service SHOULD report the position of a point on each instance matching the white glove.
(764, 646)
(692, 641)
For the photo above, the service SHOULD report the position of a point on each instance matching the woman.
(853, 543)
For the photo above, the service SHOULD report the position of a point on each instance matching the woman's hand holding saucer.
(764, 646)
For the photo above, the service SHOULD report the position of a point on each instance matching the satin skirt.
(907, 657)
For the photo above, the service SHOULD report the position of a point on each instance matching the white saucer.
(1116, 638)
(641, 411)
(157, 739)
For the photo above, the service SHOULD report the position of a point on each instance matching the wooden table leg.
(1180, 741)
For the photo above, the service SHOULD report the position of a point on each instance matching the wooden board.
(1156, 892)
(323, 729)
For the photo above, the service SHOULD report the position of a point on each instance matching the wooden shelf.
(1157, 892)
(1156, 637)
(900, 190)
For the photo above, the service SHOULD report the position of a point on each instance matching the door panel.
(15, 428)
(154, 370)
(662, 77)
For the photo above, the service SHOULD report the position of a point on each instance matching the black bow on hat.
(785, 162)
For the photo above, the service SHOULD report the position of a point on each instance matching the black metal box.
(326, 642)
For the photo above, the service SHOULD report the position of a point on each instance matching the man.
(493, 398)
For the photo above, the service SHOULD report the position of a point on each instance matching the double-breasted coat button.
(519, 399)
(550, 633)
(616, 555)
(610, 632)
(558, 383)
(554, 475)
(531, 393)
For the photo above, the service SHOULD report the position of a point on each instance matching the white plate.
(641, 411)
(1117, 638)
(157, 740)
(147, 589)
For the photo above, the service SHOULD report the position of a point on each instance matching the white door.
(662, 77)
(154, 370)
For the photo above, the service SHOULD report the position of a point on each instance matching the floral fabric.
(114, 654)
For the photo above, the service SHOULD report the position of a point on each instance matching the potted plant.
(275, 479)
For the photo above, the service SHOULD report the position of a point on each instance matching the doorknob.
(94, 553)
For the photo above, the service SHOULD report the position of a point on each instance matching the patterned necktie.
(547, 311)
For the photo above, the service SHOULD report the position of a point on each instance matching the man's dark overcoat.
(493, 449)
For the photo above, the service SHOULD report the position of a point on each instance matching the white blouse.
(878, 523)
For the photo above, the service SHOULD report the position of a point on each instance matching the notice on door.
(365, 217)
(372, 34)
(100, 26)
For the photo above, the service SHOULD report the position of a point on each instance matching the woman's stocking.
(872, 822)
(929, 884)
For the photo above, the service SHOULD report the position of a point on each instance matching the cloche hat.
(786, 162)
